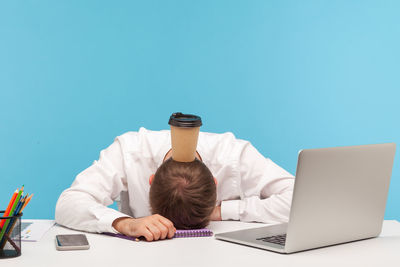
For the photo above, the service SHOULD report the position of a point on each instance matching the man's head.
(183, 192)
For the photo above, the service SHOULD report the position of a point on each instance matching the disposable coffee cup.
(185, 130)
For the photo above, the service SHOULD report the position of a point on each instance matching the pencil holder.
(10, 243)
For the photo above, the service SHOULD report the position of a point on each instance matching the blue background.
(285, 75)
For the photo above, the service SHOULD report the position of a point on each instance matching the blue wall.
(285, 75)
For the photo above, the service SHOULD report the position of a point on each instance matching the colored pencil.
(17, 204)
(22, 205)
(7, 212)
(11, 225)
(3, 230)
(26, 203)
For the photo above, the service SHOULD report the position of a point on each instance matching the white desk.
(206, 251)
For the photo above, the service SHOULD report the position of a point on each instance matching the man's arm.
(266, 190)
(83, 206)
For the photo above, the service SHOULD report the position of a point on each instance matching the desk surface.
(206, 251)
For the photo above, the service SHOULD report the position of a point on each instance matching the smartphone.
(71, 242)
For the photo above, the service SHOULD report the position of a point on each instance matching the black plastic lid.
(184, 120)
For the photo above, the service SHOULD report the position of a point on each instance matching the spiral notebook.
(178, 234)
(193, 233)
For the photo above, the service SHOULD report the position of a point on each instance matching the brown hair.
(183, 192)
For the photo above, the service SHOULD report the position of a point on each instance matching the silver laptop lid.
(340, 195)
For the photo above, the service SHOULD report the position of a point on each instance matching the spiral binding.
(193, 233)
(178, 234)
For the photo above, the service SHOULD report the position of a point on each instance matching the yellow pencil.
(26, 202)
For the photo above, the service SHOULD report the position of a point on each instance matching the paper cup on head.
(184, 143)
(185, 130)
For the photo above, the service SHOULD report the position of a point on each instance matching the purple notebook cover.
(178, 233)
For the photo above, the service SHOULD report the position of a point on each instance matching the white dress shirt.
(250, 187)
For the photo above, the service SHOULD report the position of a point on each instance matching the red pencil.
(7, 212)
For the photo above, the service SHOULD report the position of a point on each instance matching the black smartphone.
(71, 242)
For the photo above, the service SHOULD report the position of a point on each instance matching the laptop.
(339, 196)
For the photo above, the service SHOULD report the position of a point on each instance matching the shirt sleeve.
(83, 206)
(265, 190)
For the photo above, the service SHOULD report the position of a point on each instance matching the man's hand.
(216, 214)
(152, 227)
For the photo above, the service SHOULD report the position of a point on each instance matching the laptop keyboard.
(277, 239)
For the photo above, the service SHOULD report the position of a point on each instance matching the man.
(246, 186)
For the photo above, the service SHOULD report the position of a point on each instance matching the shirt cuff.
(230, 210)
(107, 218)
